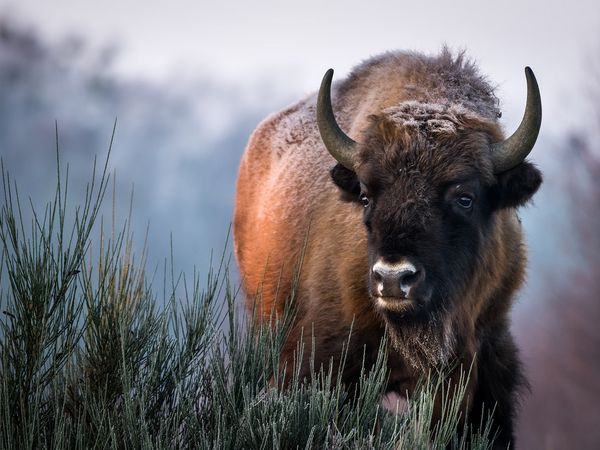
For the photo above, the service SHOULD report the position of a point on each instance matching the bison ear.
(347, 181)
(516, 186)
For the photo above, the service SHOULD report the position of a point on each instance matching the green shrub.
(91, 357)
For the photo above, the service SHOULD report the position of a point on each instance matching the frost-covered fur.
(395, 77)
(429, 118)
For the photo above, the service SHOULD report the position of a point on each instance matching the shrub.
(91, 357)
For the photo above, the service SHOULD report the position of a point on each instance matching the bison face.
(430, 198)
(432, 179)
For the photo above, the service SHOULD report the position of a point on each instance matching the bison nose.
(396, 280)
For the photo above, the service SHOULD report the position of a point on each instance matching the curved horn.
(341, 147)
(513, 150)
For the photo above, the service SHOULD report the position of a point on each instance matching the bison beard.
(424, 345)
(413, 228)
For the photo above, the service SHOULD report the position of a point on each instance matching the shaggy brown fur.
(425, 126)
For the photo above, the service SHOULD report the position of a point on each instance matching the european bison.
(409, 226)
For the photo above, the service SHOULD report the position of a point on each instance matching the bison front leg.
(500, 380)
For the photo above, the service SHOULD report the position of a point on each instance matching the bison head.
(433, 180)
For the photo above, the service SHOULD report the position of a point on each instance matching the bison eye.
(364, 200)
(465, 201)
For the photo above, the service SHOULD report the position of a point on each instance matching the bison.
(409, 227)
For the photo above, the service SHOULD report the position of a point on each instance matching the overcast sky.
(294, 42)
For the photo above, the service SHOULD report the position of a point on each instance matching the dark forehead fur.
(448, 143)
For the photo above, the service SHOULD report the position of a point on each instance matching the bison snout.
(396, 280)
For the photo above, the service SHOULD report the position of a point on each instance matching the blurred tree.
(562, 343)
(178, 141)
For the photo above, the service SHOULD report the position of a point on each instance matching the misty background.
(189, 82)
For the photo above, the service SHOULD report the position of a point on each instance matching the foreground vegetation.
(92, 357)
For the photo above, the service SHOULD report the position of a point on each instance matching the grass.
(92, 357)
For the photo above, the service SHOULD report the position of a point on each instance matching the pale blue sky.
(294, 42)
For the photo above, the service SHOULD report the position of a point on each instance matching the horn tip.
(326, 83)
(528, 72)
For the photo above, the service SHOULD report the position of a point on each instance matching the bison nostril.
(377, 276)
(408, 278)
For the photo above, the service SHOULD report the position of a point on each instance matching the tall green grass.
(92, 357)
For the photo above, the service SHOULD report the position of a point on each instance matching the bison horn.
(513, 150)
(341, 147)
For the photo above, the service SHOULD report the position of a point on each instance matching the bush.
(91, 357)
